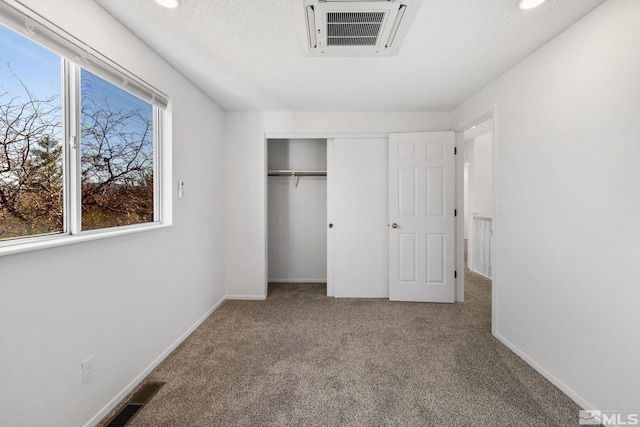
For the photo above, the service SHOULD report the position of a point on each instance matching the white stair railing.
(479, 250)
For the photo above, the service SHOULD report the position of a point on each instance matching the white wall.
(468, 185)
(568, 144)
(125, 300)
(244, 203)
(481, 176)
(354, 122)
(297, 154)
(245, 161)
(297, 226)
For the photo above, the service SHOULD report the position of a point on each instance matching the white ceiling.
(245, 54)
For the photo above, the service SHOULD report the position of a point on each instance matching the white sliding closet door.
(358, 210)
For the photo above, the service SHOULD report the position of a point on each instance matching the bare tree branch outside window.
(117, 160)
(117, 156)
(31, 178)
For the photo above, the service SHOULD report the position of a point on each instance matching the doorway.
(478, 194)
(481, 202)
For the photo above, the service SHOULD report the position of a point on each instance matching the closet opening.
(296, 213)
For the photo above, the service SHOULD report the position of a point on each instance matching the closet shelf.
(286, 172)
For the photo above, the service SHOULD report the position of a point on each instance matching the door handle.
(331, 225)
(394, 225)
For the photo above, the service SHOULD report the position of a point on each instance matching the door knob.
(331, 225)
(394, 225)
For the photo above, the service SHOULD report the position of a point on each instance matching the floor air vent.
(354, 28)
(133, 406)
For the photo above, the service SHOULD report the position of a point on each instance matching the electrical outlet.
(88, 369)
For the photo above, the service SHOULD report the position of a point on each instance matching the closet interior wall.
(297, 211)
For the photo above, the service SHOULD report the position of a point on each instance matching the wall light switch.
(180, 189)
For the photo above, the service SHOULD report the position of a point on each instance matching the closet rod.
(296, 173)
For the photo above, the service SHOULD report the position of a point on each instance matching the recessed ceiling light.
(529, 4)
(168, 3)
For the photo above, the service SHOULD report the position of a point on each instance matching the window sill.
(16, 247)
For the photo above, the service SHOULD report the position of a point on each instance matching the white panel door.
(358, 206)
(421, 216)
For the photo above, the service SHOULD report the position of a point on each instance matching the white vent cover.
(355, 27)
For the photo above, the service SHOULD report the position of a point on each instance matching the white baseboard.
(480, 274)
(246, 297)
(120, 396)
(297, 280)
(582, 402)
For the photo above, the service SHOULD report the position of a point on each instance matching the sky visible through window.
(40, 71)
(98, 94)
(38, 68)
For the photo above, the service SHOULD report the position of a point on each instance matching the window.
(117, 159)
(79, 136)
(31, 162)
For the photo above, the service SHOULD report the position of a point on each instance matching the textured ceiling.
(245, 54)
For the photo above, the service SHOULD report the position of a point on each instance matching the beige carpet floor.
(302, 359)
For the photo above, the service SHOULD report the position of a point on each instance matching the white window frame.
(75, 56)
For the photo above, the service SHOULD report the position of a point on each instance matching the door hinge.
(455, 274)
(455, 212)
(455, 150)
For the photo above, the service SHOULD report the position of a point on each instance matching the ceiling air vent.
(356, 27)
